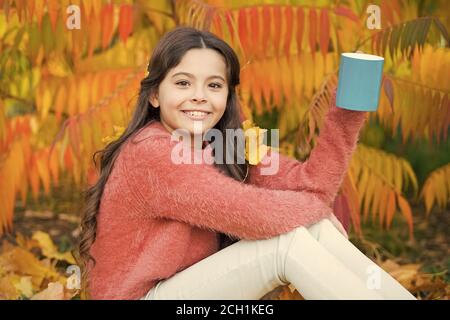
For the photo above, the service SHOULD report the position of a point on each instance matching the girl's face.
(194, 91)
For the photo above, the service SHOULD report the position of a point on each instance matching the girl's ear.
(153, 99)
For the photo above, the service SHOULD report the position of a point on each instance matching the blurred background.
(69, 77)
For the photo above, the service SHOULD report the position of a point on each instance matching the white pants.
(318, 261)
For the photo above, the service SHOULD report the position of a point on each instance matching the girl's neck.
(197, 143)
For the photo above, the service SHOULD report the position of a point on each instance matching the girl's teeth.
(196, 113)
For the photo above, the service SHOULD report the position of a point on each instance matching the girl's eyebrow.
(190, 75)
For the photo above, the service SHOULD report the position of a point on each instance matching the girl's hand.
(338, 225)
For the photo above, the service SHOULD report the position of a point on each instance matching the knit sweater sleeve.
(200, 195)
(323, 172)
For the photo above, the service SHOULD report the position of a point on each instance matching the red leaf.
(243, 30)
(312, 30)
(74, 136)
(218, 26)
(324, 31)
(30, 12)
(346, 12)
(86, 6)
(53, 7)
(277, 23)
(266, 27)
(125, 21)
(288, 37)
(254, 23)
(300, 26)
(39, 11)
(107, 17)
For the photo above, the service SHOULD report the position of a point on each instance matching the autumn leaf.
(118, 130)
(255, 150)
(49, 249)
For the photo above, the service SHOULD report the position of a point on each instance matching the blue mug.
(359, 82)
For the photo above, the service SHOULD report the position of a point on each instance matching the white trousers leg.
(318, 261)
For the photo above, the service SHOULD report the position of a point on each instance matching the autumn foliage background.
(64, 93)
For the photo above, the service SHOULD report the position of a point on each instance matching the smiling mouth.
(196, 115)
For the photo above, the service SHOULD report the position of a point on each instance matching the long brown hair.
(166, 55)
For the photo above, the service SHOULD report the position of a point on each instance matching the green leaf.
(414, 35)
(407, 30)
(409, 37)
(386, 34)
(423, 33)
(395, 37)
(34, 42)
(442, 29)
(389, 91)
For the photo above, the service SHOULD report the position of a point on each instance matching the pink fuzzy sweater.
(157, 218)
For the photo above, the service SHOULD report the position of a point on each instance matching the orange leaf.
(346, 12)
(53, 8)
(324, 31)
(243, 31)
(277, 23)
(125, 21)
(300, 26)
(74, 136)
(217, 25)
(34, 177)
(266, 27)
(407, 213)
(60, 102)
(287, 39)
(107, 19)
(83, 94)
(229, 20)
(93, 35)
(42, 167)
(87, 9)
(53, 166)
(30, 11)
(96, 7)
(68, 159)
(39, 10)
(254, 23)
(312, 31)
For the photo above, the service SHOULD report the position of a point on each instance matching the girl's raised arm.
(324, 170)
(200, 195)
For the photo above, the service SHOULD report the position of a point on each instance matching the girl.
(155, 228)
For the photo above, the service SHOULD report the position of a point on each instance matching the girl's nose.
(198, 100)
(199, 95)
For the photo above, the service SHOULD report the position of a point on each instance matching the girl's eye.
(213, 85)
(181, 82)
(216, 84)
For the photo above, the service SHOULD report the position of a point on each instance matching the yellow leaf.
(83, 94)
(255, 150)
(43, 170)
(7, 289)
(118, 131)
(407, 213)
(49, 249)
(46, 102)
(390, 210)
(21, 261)
(25, 286)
